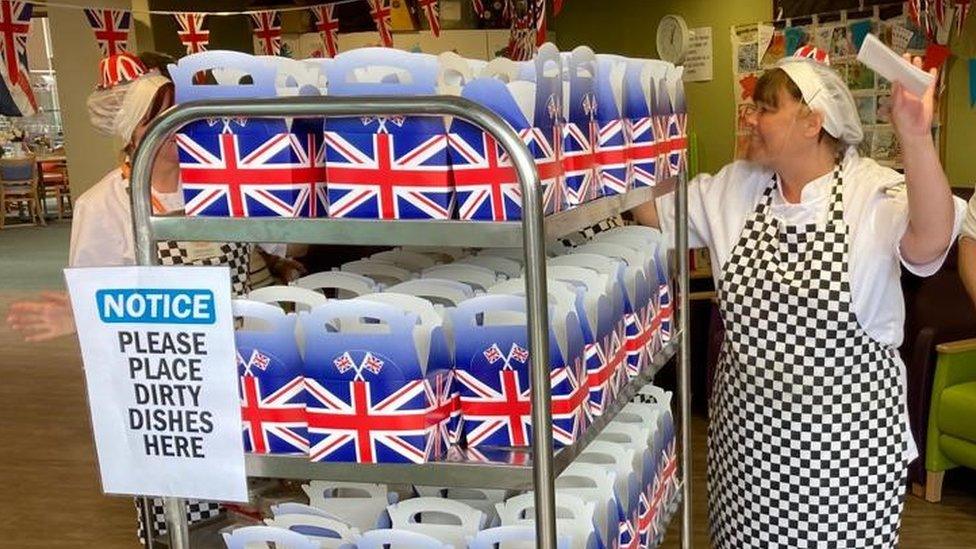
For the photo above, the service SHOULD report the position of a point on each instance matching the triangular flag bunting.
(432, 11)
(15, 24)
(111, 29)
(191, 32)
(267, 31)
(328, 26)
(380, 12)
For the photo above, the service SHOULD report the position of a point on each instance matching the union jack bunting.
(387, 176)
(380, 11)
(273, 420)
(431, 11)
(353, 421)
(267, 31)
(643, 152)
(484, 179)
(538, 9)
(479, 7)
(191, 32)
(579, 157)
(962, 12)
(611, 156)
(111, 29)
(915, 12)
(15, 23)
(328, 26)
(247, 172)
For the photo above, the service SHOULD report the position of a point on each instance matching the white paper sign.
(698, 60)
(159, 354)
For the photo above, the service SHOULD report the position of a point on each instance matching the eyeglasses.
(754, 109)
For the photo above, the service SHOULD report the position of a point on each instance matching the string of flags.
(111, 29)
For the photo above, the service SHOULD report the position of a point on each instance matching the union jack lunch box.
(390, 167)
(579, 132)
(492, 369)
(613, 137)
(240, 167)
(371, 397)
(272, 382)
(679, 134)
(644, 147)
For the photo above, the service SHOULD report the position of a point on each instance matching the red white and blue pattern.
(349, 421)
(663, 490)
(267, 31)
(501, 414)
(645, 517)
(191, 33)
(274, 420)
(15, 24)
(628, 536)
(445, 414)
(431, 10)
(599, 379)
(484, 179)
(328, 26)
(111, 29)
(611, 156)
(643, 152)
(548, 164)
(249, 173)
(676, 144)
(640, 335)
(665, 311)
(810, 51)
(387, 176)
(380, 11)
(579, 158)
(119, 69)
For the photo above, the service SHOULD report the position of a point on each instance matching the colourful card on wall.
(795, 37)
(972, 82)
(860, 29)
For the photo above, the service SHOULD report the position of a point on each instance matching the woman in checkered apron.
(808, 442)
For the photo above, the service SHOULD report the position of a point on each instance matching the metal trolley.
(531, 233)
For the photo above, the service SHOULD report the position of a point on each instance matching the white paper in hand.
(882, 60)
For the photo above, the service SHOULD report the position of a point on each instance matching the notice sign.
(158, 348)
(698, 60)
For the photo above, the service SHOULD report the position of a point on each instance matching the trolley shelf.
(366, 232)
(511, 470)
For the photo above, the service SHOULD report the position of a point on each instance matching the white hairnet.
(825, 92)
(118, 110)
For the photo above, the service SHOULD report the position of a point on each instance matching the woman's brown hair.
(767, 93)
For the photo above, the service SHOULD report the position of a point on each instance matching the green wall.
(628, 27)
(959, 147)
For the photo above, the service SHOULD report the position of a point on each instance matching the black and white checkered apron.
(237, 257)
(805, 436)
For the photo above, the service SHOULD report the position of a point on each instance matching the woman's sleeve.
(699, 234)
(97, 237)
(892, 220)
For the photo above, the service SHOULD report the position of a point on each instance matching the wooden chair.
(55, 184)
(19, 187)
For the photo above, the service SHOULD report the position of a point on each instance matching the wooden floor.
(52, 498)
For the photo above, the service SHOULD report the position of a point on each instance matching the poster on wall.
(757, 47)
(698, 60)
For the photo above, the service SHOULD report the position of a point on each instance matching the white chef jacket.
(876, 213)
(969, 224)
(101, 227)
